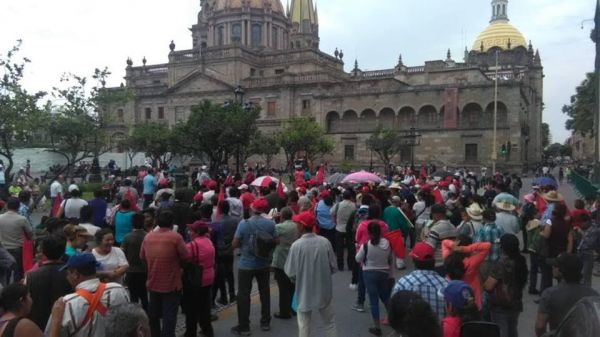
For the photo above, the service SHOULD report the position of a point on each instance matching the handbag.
(192, 271)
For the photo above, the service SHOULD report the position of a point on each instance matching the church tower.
(305, 24)
(499, 10)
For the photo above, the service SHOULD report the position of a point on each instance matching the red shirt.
(576, 213)
(164, 251)
(202, 252)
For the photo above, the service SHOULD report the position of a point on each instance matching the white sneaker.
(353, 286)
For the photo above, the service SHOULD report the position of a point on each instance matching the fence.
(583, 186)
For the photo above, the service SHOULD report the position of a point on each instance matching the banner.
(450, 108)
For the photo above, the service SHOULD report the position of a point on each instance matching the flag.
(321, 175)
(423, 173)
(56, 205)
(280, 192)
(27, 254)
(220, 198)
(396, 240)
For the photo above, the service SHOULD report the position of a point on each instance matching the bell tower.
(305, 24)
(499, 10)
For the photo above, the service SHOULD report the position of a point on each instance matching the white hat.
(73, 187)
(243, 187)
(203, 167)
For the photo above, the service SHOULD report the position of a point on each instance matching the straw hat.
(553, 196)
(395, 186)
(505, 206)
(475, 212)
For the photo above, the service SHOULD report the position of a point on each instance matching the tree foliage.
(155, 140)
(581, 108)
(21, 112)
(546, 136)
(558, 150)
(216, 131)
(303, 135)
(264, 145)
(386, 144)
(77, 125)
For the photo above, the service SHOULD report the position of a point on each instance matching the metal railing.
(583, 186)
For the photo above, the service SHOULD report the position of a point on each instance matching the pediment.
(198, 81)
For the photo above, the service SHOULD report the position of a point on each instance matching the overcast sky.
(79, 35)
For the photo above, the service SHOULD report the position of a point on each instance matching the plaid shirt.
(427, 283)
(490, 233)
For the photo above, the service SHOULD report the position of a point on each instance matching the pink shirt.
(478, 253)
(451, 326)
(362, 232)
(202, 252)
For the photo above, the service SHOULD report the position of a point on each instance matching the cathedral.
(270, 57)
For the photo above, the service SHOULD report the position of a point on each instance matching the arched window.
(387, 118)
(333, 122)
(236, 32)
(256, 39)
(221, 36)
(368, 120)
(427, 118)
(502, 118)
(406, 118)
(471, 116)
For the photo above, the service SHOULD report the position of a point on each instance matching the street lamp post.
(413, 139)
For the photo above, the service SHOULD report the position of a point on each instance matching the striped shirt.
(164, 253)
(430, 285)
(77, 306)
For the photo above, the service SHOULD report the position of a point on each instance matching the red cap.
(197, 225)
(422, 252)
(306, 219)
(260, 205)
(324, 194)
(365, 189)
(302, 190)
(198, 197)
(211, 185)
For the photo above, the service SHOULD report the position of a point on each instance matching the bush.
(90, 187)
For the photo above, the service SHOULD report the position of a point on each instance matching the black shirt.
(46, 285)
(132, 244)
(557, 301)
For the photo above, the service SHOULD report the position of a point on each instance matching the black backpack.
(262, 243)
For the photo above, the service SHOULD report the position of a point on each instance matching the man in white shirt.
(56, 188)
(79, 319)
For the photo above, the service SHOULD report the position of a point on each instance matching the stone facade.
(273, 54)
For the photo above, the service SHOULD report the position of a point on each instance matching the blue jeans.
(378, 288)
(165, 306)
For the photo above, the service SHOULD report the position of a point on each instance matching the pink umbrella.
(361, 177)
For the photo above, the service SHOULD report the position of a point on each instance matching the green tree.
(546, 136)
(581, 108)
(21, 112)
(217, 132)
(155, 140)
(386, 144)
(77, 125)
(264, 145)
(305, 136)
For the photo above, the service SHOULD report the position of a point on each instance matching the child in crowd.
(460, 308)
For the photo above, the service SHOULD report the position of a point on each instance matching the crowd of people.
(439, 251)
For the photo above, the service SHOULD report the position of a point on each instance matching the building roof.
(499, 34)
(276, 5)
(303, 10)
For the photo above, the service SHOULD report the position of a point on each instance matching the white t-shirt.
(72, 207)
(111, 261)
(56, 188)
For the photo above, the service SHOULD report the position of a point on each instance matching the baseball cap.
(306, 219)
(459, 294)
(324, 194)
(198, 197)
(243, 187)
(83, 260)
(422, 252)
(567, 263)
(197, 225)
(73, 187)
(260, 205)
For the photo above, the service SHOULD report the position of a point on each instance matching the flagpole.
(495, 137)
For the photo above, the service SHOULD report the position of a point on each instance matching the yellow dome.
(227, 4)
(497, 34)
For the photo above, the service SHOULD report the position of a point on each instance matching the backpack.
(261, 242)
(129, 196)
(536, 243)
